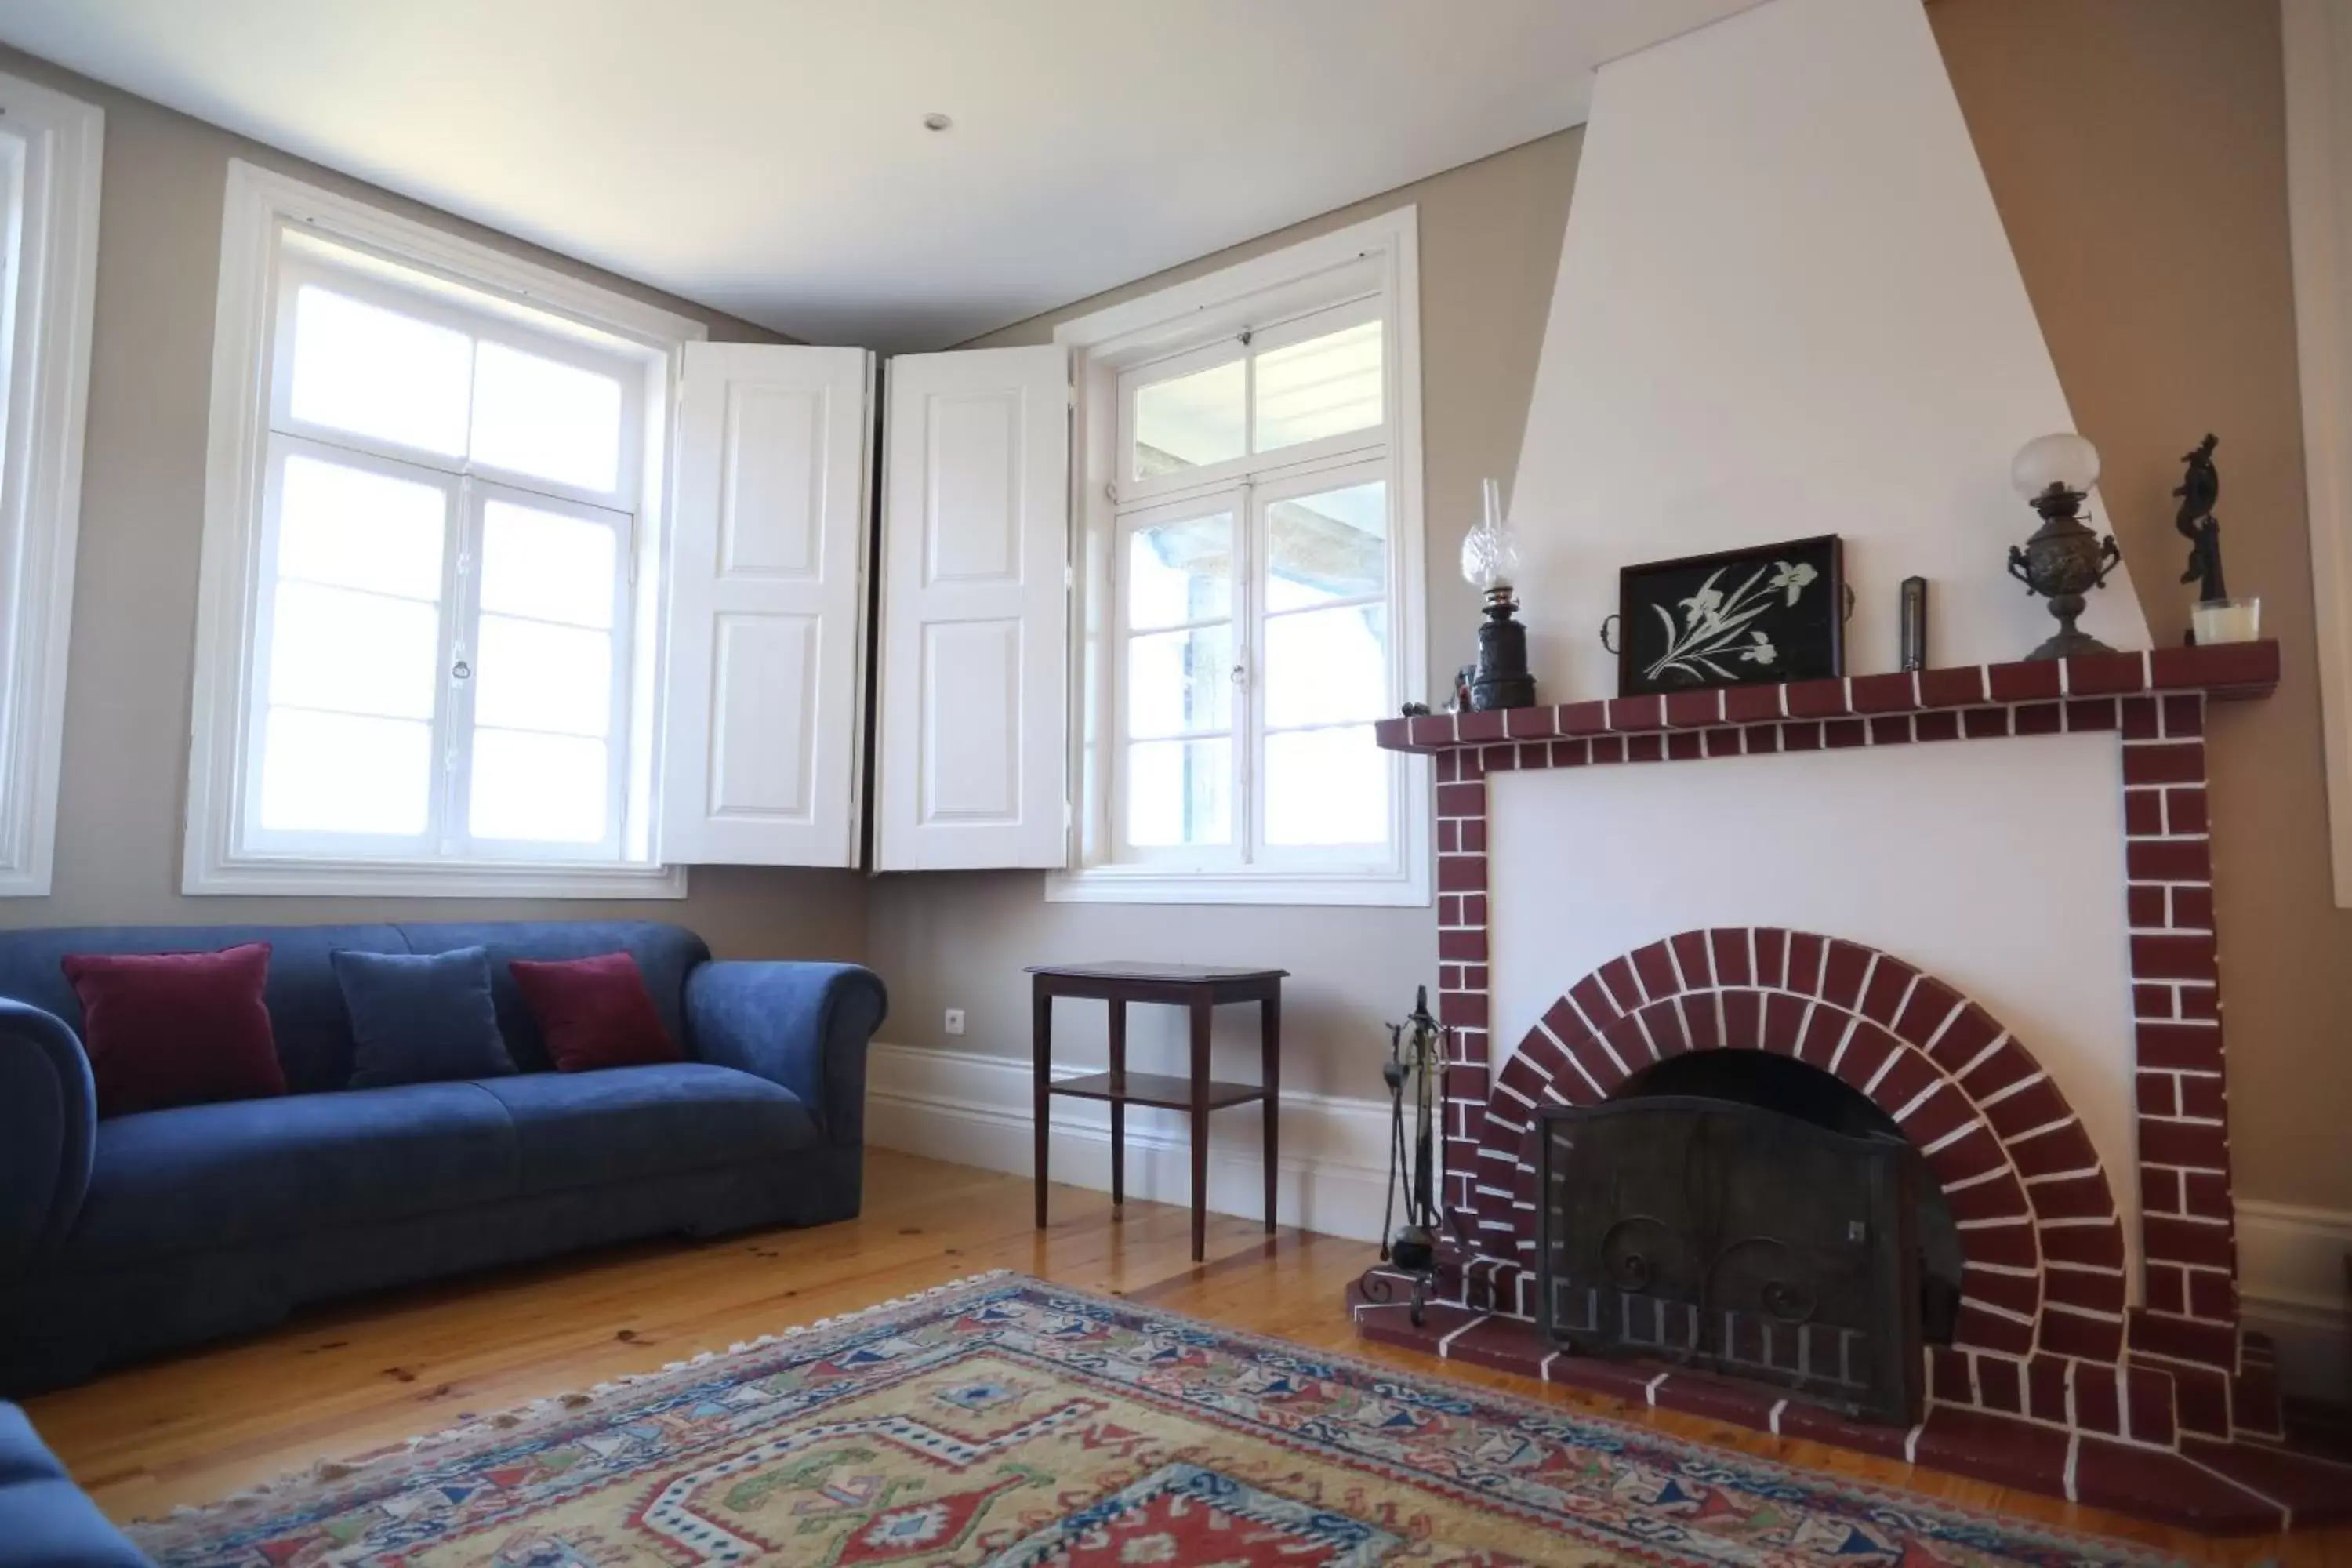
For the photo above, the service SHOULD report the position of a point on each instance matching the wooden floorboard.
(363, 1375)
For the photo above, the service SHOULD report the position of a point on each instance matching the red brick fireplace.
(2165, 1409)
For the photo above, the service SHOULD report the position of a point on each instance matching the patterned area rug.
(1005, 1421)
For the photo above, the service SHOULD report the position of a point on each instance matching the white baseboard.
(2291, 1285)
(974, 1110)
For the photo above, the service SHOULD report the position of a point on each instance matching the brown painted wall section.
(2136, 150)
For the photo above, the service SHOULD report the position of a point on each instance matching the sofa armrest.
(804, 1026)
(49, 1126)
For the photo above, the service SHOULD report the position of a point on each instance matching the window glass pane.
(1334, 545)
(333, 773)
(1327, 786)
(1180, 793)
(355, 653)
(360, 529)
(1180, 682)
(1181, 572)
(541, 416)
(547, 565)
(1324, 386)
(542, 789)
(533, 675)
(375, 371)
(1188, 421)
(1323, 667)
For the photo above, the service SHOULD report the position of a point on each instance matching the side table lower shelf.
(1165, 1090)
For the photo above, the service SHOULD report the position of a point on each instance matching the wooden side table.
(1196, 988)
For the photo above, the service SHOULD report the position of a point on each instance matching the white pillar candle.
(2228, 620)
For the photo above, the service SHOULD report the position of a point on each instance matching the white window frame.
(260, 207)
(1377, 258)
(2318, 66)
(1233, 497)
(51, 159)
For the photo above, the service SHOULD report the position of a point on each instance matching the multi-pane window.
(49, 156)
(1254, 578)
(444, 643)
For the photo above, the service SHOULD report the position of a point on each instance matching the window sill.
(23, 881)
(457, 880)
(1157, 885)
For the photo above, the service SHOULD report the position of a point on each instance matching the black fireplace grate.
(1736, 1239)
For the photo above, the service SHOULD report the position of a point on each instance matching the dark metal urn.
(2063, 563)
(1501, 678)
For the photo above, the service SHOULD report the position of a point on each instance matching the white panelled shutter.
(764, 680)
(974, 696)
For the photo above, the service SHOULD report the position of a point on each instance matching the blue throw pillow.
(421, 1017)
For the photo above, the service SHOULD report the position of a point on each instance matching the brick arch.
(2040, 1236)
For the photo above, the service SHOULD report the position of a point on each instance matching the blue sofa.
(44, 1520)
(140, 1232)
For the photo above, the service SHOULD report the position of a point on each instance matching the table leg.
(1203, 1010)
(1040, 1010)
(1269, 1020)
(1118, 1107)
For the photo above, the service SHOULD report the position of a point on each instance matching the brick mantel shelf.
(2168, 1409)
(2029, 698)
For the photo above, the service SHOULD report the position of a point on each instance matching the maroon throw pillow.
(594, 1012)
(162, 1029)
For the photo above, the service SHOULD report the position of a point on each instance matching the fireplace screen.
(1737, 1239)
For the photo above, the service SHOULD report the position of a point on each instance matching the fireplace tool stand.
(1415, 1070)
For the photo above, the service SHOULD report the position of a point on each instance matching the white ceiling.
(767, 157)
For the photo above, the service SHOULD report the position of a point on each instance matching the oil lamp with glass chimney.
(1490, 561)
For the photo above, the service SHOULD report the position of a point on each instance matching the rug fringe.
(245, 1498)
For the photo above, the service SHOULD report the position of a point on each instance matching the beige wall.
(2137, 151)
(1490, 237)
(124, 786)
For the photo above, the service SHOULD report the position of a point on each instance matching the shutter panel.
(975, 651)
(764, 676)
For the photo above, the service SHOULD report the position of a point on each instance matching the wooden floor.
(347, 1379)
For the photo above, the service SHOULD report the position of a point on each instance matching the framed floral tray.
(1775, 612)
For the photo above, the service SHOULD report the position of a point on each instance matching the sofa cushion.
(176, 1028)
(665, 955)
(578, 1129)
(594, 1012)
(207, 1176)
(419, 1017)
(306, 1007)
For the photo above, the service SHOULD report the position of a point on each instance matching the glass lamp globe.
(1490, 552)
(2061, 458)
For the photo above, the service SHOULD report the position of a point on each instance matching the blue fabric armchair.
(44, 1520)
(140, 1232)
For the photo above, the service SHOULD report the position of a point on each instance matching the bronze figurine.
(2200, 487)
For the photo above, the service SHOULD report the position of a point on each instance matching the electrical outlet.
(955, 1020)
